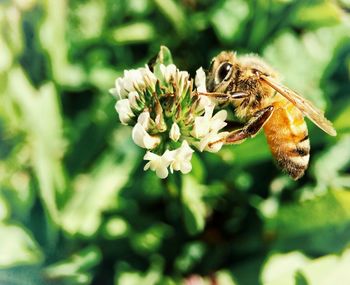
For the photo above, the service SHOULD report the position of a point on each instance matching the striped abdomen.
(287, 136)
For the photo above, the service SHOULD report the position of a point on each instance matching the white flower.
(202, 123)
(168, 71)
(182, 76)
(149, 78)
(183, 82)
(200, 80)
(201, 127)
(143, 139)
(207, 127)
(118, 91)
(182, 158)
(204, 101)
(206, 123)
(211, 137)
(218, 121)
(174, 133)
(133, 99)
(158, 163)
(133, 80)
(124, 111)
(144, 120)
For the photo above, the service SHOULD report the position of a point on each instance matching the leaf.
(250, 152)
(4, 208)
(227, 18)
(328, 209)
(116, 227)
(53, 40)
(321, 224)
(198, 170)
(22, 275)
(307, 58)
(17, 194)
(190, 256)
(342, 122)
(328, 166)
(150, 240)
(134, 33)
(317, 14)
(83, 13)
(225, 278)
(175, 14)
(96, 192)
(163, 57)
(17, 246)
(77, 269)
(127, 275)
(42, 123)
(194, 209)
(300, 279)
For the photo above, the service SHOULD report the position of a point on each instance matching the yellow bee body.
(262, 102)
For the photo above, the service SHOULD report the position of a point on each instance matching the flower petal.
(218, 121)
(200, 80)
(133, 99)
(201, 127)
(142, 138)
(182, 158)
(186, 167)
(159, 164)
(213, 137)
(150, 142)
(124, 111)
(144, 119)
(168, 71)
(162, 172)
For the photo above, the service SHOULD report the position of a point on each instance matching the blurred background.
(76, 206)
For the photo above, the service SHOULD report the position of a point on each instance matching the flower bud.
(174, 133)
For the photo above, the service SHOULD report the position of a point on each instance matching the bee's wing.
(305, 106)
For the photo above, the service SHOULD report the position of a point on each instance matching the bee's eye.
(224, 72)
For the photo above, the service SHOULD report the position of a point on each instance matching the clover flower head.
(169, 115)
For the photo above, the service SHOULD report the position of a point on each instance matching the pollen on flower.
(169, 113)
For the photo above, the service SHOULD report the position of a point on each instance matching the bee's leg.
(225, 96)
(251, 128)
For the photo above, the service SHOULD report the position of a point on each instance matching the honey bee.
(261, 101)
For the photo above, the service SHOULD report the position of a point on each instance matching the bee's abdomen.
(287, 136)
(295, 159)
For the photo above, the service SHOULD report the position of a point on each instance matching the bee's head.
(221, 71)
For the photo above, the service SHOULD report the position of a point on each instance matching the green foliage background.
(76, 206)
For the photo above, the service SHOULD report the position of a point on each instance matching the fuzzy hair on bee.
(262, 102)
